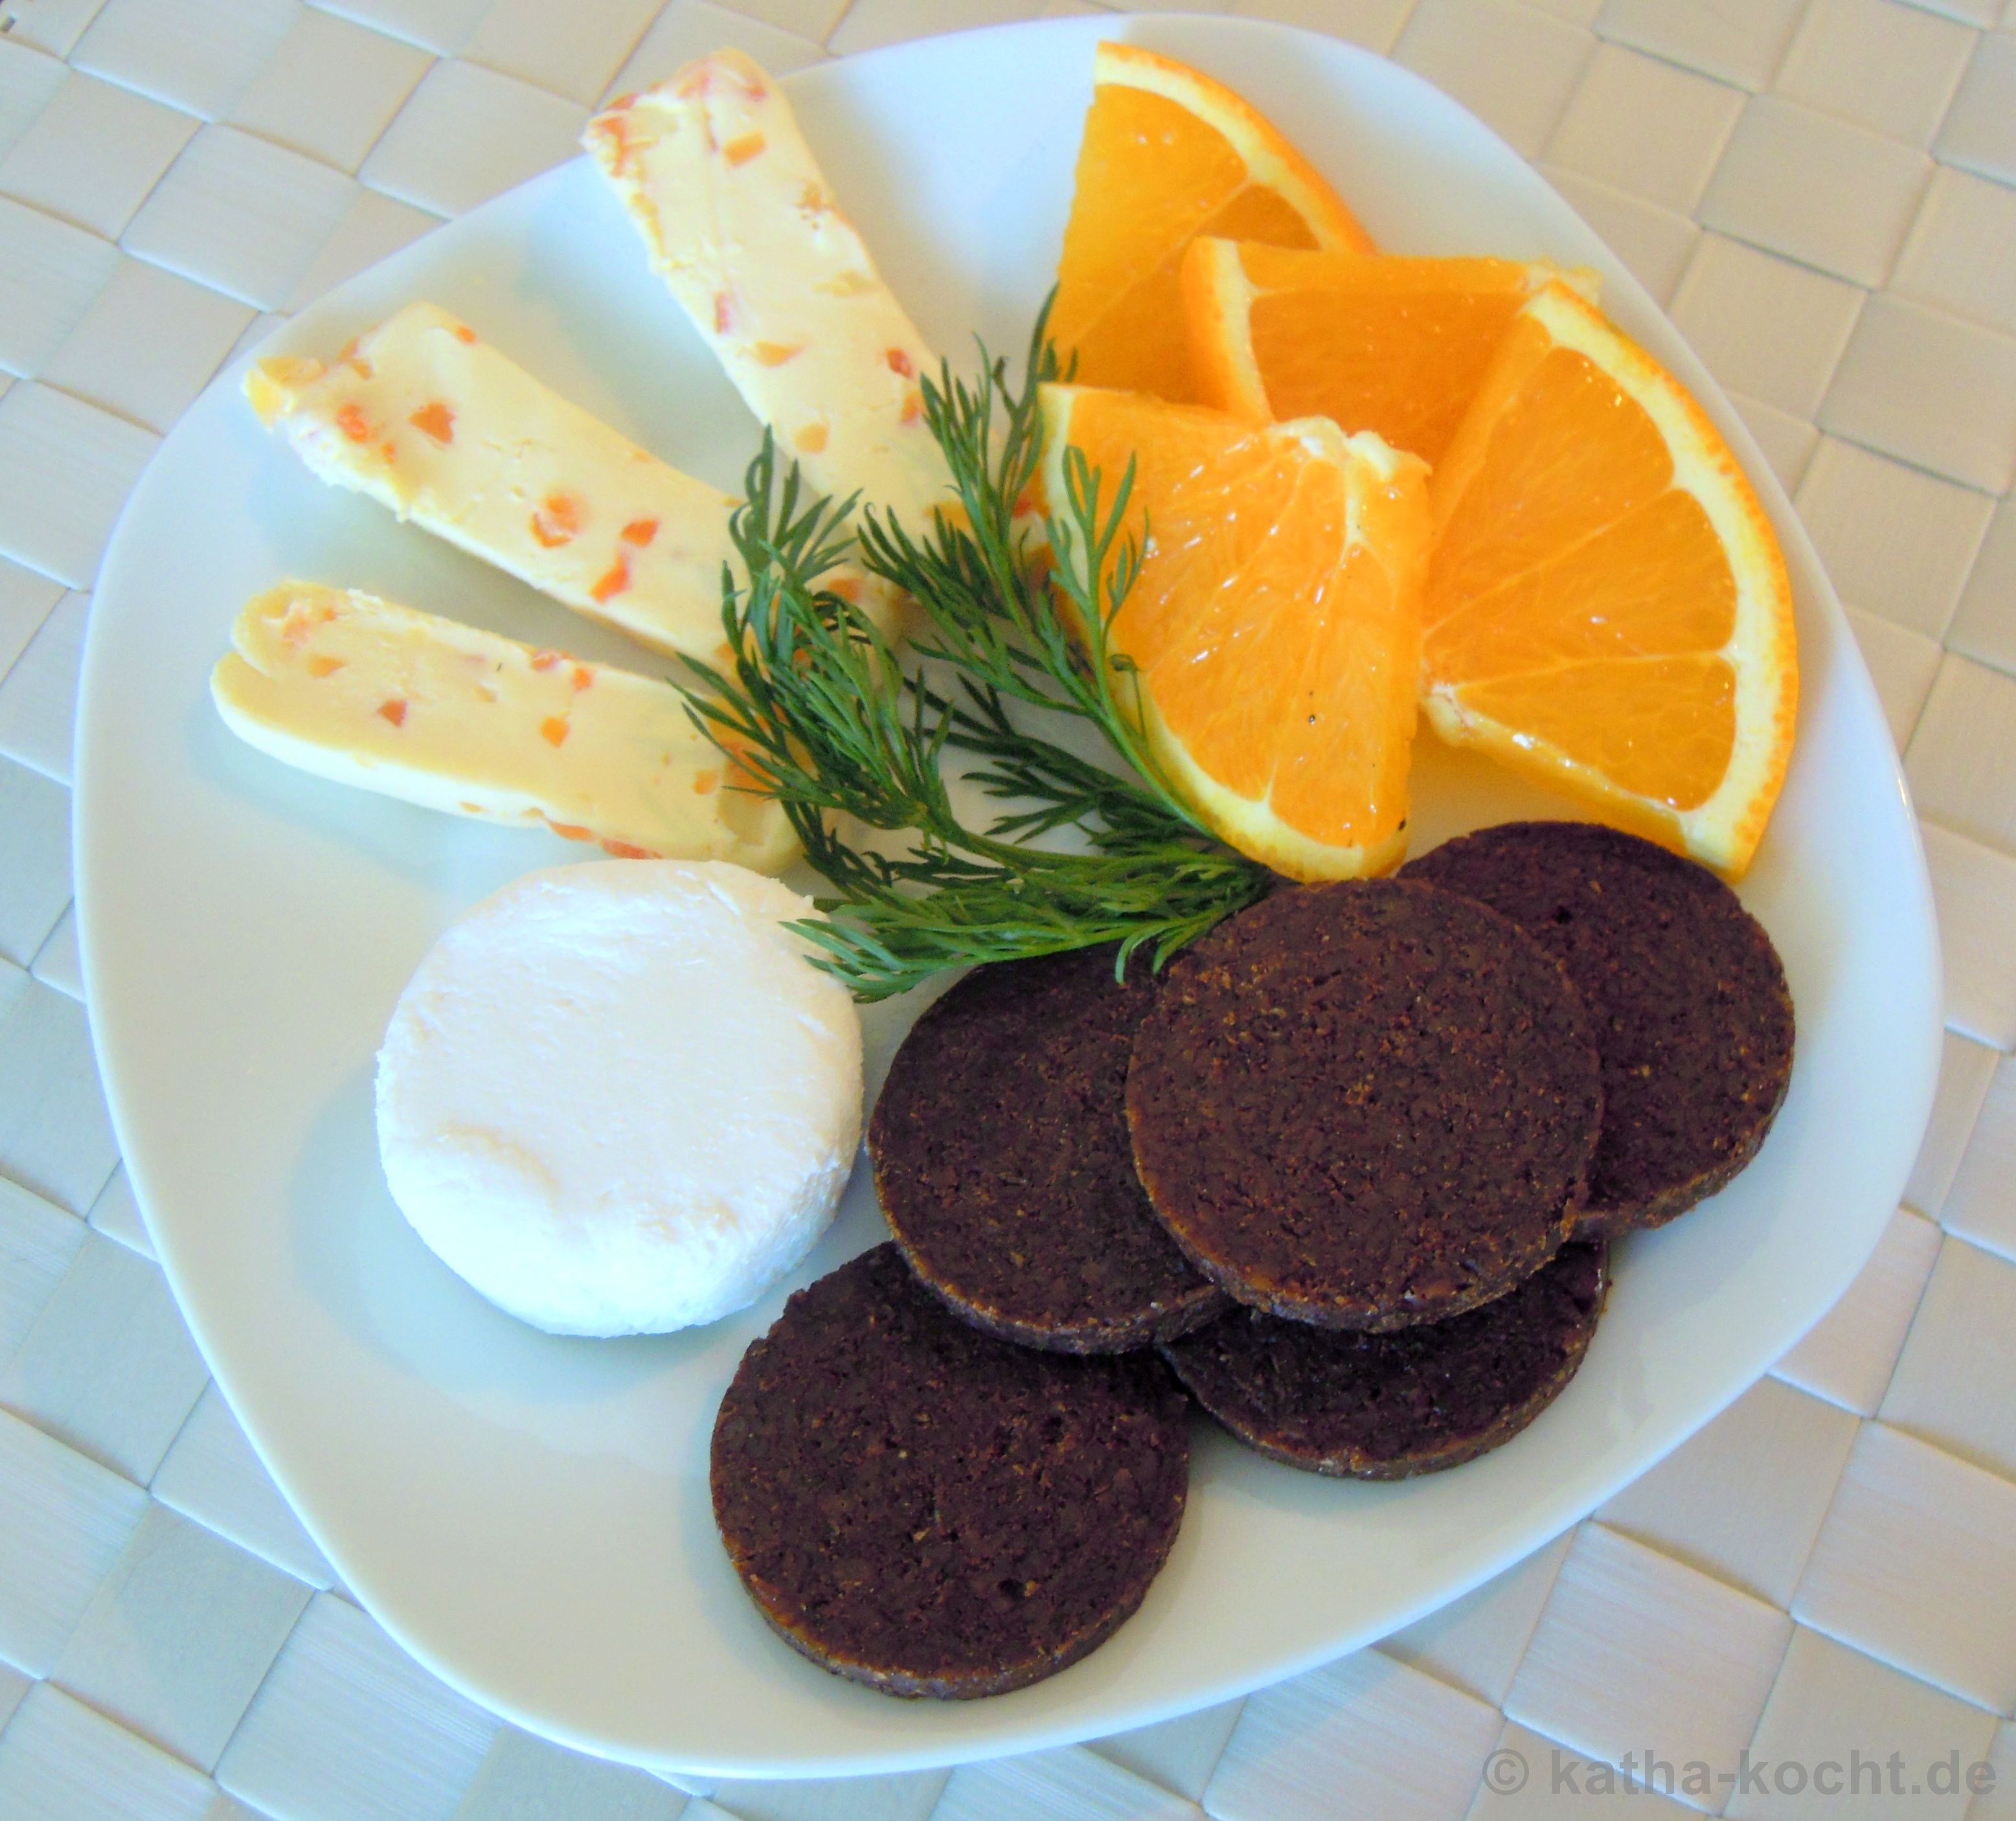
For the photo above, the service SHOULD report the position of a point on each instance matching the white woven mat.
(1824, 192)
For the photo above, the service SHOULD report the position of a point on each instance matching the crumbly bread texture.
(1001, 1160)
(1366, 1105)
(1686, 997)
(1387, 1406)
(919, 1506)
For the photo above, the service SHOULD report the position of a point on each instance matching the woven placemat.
(1808, 1609)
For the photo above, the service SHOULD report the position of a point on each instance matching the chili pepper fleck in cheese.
(434, 422)
(368, 692)
(740, 222)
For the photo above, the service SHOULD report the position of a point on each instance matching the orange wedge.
(1169, 154)
(1275, 624)
(1394, 345)
(1606, 606)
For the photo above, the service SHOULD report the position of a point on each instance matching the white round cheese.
(616, 1098)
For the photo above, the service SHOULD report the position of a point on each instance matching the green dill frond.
(820, 709)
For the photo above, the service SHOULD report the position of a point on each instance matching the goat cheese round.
(616, 1099)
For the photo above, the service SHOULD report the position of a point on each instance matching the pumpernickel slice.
(1366, 1105)
(1385, 1406)
(1687, 999)
(1001, 1160)
(919, 1506)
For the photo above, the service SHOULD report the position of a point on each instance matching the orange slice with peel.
(1373, 341)
(1607, 608)
(1274, 626)
(1169, 154)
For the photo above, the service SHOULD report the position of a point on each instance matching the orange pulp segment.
(1169, 154)
(1607, 606)
(1275, 623)
(1371, 341)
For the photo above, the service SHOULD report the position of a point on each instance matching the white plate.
(529, 1516)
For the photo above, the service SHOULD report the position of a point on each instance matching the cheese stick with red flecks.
(742, 226)
(441, 426)
(367, 692)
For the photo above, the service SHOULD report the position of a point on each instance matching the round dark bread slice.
(1385, 1406)
(1686, 997)
(1366, 1105)
(1003, 1163)
(917, 1506)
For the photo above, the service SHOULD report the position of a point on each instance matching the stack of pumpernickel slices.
(1352, 1166)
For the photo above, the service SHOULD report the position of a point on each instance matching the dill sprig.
(822, 714)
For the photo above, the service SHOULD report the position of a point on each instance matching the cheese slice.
(365, 692)
(427, 418)
(741, 223)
